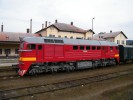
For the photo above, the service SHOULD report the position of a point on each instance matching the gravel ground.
(58, 77)
(95, 91)
(92, 92)
(122, 93)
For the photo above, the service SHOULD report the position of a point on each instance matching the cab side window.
(31, 46)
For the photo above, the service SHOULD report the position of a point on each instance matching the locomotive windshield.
(22, 45)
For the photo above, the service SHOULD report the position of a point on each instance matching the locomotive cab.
(27, 55)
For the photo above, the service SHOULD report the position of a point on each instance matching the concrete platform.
(8, 60)
(7, 64)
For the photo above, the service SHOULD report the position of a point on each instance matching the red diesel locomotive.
(41, 54)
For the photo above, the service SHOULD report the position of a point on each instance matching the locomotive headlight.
(116, 55)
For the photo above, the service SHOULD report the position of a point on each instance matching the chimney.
(30, 25)
(42, 26)
(71, 23)
(45, 24)
(110, 31)
(49, 23)
(56, 21)
(2, 27)
(28, 30)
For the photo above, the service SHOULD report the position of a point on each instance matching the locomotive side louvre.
(41, 54)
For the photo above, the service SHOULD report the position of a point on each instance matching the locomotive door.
(39, 53)
(104, 51)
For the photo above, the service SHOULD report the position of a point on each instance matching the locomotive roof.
(50, 40)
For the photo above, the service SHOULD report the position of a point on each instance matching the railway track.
(8, 77)
(32, 90)
(7, 73)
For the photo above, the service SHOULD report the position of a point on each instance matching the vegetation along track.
(29, 91)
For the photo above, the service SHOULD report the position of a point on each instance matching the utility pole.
(92, 22)
(92, 26)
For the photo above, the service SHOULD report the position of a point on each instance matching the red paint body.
(63, 53)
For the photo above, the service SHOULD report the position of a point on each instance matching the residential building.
(63, 30)
(9, 43)
(117, 37)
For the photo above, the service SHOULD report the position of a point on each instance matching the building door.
(39, 52)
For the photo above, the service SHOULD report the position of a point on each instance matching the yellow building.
(63, 30)
(117, 37)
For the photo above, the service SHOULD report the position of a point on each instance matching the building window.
(89, 38)
(7, 51)
(71, 37)
(78, 38)
(59, 36)
(102, 37)
(50, 35)
(16, 51)
(122, 41)
(118, 41)
(0, 51)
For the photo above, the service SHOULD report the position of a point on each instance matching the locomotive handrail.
(24, 50)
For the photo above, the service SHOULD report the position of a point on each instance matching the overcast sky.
(115, 15)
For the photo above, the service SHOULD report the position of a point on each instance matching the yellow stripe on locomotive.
(27, 59)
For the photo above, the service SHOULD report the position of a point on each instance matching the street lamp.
(92, 22)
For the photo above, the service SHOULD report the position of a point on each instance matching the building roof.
(66, 28)
(108, 35)
(13, 36)
(113, 34)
